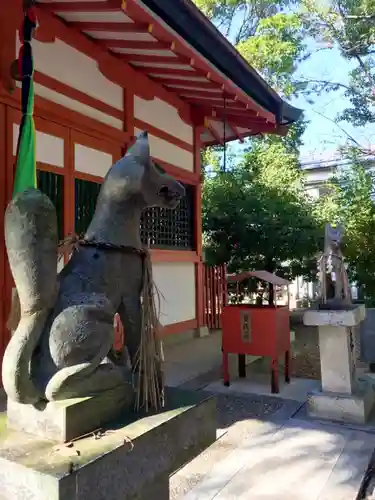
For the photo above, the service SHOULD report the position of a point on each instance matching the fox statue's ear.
(340, 229)
(141, 148)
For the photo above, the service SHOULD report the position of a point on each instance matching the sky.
(322, 136)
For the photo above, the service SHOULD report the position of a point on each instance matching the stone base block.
(131, 460)
(350, 317)
(66, 420)
(346, 408)
(202, 331)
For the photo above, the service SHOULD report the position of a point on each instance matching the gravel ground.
(237, 419)
(234, 409)
(305, 353)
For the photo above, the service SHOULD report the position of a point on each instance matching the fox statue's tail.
(31, 241)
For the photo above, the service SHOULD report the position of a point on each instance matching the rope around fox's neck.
(149, 358)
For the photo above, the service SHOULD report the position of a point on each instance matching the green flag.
(25, 175)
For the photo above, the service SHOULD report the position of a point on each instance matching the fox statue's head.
(334, 235)
(137, 179)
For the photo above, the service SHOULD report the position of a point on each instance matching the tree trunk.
(271, 294)
(270, 267)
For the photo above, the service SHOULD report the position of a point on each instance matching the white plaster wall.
(165, 151)
(67, 65)
(313, 192)
(164, 117)
(91, 161)
(311, 176)
(49, 149)
(176, 283)
(77, 106)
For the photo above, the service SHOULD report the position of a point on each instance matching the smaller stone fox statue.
(334, 285)
(63, 343)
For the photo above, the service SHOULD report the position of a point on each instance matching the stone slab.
(337, 359)
(297, 461)
(129, 461)
(346, 317)
(351, 408)
(71, 418)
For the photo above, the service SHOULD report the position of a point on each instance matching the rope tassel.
(149, 359)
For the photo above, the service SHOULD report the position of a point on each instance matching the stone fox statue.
(63, 343)
(332, 272)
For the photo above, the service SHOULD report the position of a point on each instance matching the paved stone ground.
(238, 419)
(267, 448)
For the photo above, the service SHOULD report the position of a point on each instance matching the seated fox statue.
(334, 285)
(62, 346)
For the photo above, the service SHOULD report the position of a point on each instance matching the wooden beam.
(112, 67)
(190, 85)
(147, 58)
(214, 102)
(80, 6)
(215, 135)
(135, 11)
(11, 15)
(236, 132)
(111, 27)
(134, 44)
(180, 73)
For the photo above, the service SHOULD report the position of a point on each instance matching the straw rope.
(148, 379)
(150, 357)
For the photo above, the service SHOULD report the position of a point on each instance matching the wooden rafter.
(112, 27)
(135, 44)
(236, 133)
(207, 86)
(215, 135)
(157, 59)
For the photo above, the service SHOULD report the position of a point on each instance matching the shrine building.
(105, 70)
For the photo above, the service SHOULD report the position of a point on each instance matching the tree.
(244, 14)
(270, 41)
(276, 49)
(254, 214)
(350, 201)
(256, 217)
(348, 25)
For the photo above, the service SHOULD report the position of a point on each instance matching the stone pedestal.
(367, 333)
(202, 331)
(130, 459)
(343, 397)
(69, 419)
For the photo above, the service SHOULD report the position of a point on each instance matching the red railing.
(215, 294)
(215, 298)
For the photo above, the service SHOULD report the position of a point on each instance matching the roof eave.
(189, 22)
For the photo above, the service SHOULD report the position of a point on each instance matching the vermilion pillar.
(198, 230)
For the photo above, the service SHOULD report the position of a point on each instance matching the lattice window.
(52, 185)
(160, 228)
(165, 228)
(86, 194)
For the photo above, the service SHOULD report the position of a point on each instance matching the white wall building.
(318, 169)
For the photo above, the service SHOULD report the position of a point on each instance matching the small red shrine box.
(256, 330)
